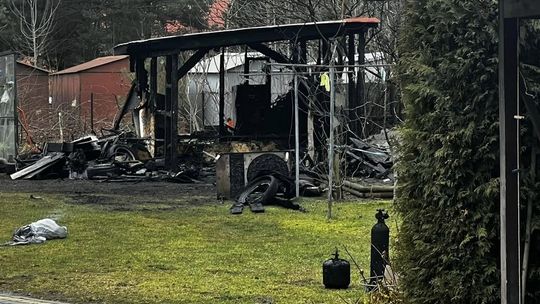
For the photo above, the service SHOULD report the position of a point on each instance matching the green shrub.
(448, 161)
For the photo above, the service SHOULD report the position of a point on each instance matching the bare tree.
(36, 20)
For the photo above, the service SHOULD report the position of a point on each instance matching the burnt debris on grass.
(117, 157)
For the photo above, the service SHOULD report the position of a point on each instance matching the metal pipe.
(368, 195)
(331, 139)
(326, 66)
(60, 127)
(368, 189)
(296, 139)
(92, 112)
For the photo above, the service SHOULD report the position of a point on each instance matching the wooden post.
(167, 140)
(153, 82)
(222, 94)
(174, 110)
(246, 66)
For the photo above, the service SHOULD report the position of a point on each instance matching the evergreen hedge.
(448, 160)
(448, 168)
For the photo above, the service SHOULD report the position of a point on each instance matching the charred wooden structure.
(164, 109)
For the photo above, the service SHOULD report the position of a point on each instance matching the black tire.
(266, 163)
(260, 190)
(123, 153)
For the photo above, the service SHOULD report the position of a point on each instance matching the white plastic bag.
(38, 232)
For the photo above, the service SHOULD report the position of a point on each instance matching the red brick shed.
(106, 79)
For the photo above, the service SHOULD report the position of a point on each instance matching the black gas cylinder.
(380, 239)
(336, 272)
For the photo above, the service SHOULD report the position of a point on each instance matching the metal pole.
(92, 112)
(331, 139)
(60, 126)
(296, 139)
(509, 158)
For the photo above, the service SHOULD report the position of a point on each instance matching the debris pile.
(120, 156)
(368, 160)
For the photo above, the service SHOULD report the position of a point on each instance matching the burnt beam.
(221, 94)
(191, 62)
(360, 86)
(174, 111)
(350, 76)
(265, 34)
(303, 51)
(167, 139)
(153, 82)
(141, 76)
(266, 51)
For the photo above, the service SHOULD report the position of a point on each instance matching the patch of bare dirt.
(115, 195)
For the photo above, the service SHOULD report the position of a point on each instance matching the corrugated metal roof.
(33, 67)
(91, 64)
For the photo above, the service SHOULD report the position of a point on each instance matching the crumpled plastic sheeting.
(38, 232)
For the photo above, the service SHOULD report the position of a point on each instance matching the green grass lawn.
(190, 254)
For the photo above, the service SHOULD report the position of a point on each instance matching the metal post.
(296, 138)
(509, 164)
(350, 77)
(360, 88)
(331, 139)
(60, 127)
(92, 112)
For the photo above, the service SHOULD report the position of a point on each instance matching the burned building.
(257, 115)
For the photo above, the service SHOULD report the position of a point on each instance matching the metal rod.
(296, 139)
(331, 139)
(92, 112)
(326, 65)
(359, 126)
(528, 230)
(351, 51)
(60, 127)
